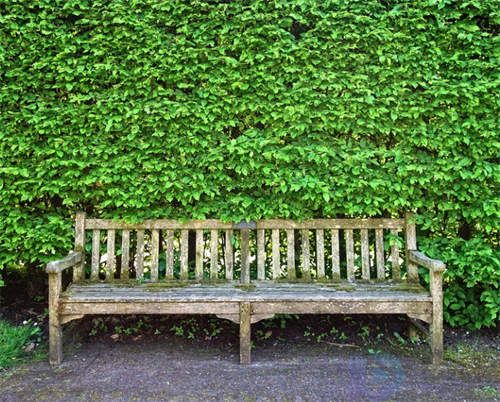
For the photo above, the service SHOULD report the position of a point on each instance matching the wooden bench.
(245, 272)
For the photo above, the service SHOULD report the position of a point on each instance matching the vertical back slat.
(306, 264)
(410, 244)
(79, 269)
(335, 255)
(228, 255)
(96, 254)
(320, 253)
(199, 255)
(169, 254)
(365, 255)
(275, 239)
(184, 254)
(245, 260)
(396, 271)
(290, 253)
(349, 246)
(155, 253)
(379, 249)
(139, 268)
(213, 254)
(261, 255)
(125, 255)
(111, 257)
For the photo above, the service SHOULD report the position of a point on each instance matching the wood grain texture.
(125, 264)
(79, 269)
(96, 254)
(365, 255)
(214, 254)
(421, 259)
(245, 256)
(349, 246)
(199, 255)
(275, 239)
(139, 255)
(320, 253)
(169, 254)
(396, 269)
(245, 332)
(261, 255)
(306, 257)
(155, 254)
(229, 255)
(184, 254)
(55, 329)
(410, 244)
(370, 223)
(110, 255)
(290, 253)
(335, 255)
(379, 251)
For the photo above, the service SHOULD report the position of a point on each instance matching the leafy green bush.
(250, 109)
(13, 341)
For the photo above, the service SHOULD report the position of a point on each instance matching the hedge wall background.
(251, 109)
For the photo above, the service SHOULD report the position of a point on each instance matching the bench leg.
(437, 320)
(245, 331)
(55, 340)
(55, 329)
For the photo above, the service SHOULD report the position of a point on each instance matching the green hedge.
(250, 109)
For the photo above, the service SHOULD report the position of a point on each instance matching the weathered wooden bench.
(319, 266)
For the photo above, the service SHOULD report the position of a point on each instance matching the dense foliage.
(249, 109)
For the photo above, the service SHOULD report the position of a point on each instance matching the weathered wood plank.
(410, 244)
(229, 255)
(184, 254)
(199, 255)
(55, 330)
(436, 286)
(320, 253)
(370, 223)
(125, 264)
(261, 255)
(214, 254)
(169, 254)
(79, 269)
(335, 255)
(137, 307)
(245, 331)
(379, 251)
(306, 258)
(96, 254)
(139, 255)
(349, 245)
(290, 253)
(275, 239)
(420, 258)
(73, 258)
(342, 307)
(155, 254)
(111, 257)
(245, 257)
(365, 255)
(396, 270)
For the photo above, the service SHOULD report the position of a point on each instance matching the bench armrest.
(73, 258)
(419, 258)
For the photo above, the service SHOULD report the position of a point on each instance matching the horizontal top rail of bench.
(347, 223)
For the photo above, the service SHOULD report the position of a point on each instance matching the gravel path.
(288, 372)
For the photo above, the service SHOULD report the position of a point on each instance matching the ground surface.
(291, 361)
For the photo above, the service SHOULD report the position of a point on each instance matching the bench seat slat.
(208, 293)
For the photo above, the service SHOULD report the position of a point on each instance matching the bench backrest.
(276, 249)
